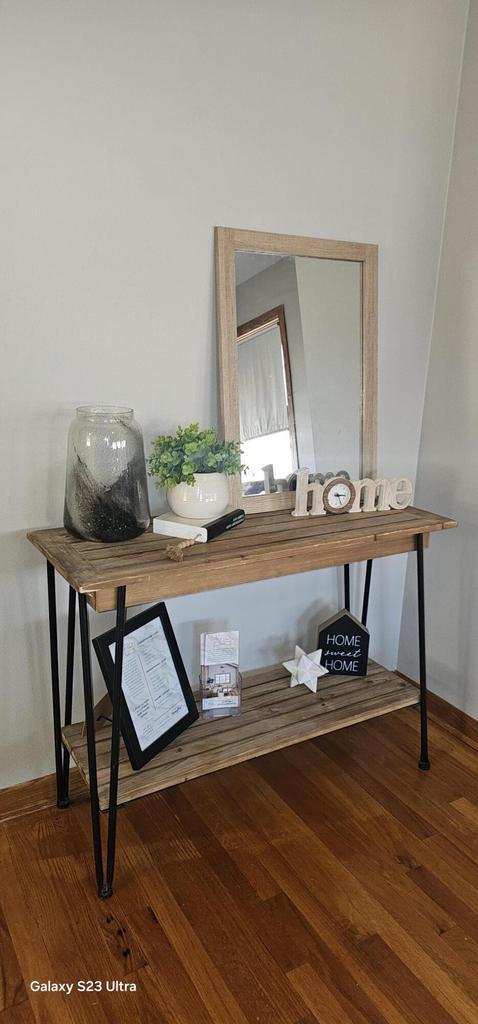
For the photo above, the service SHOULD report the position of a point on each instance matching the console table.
(266, 545)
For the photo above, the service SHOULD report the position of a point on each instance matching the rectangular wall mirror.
(297, 326)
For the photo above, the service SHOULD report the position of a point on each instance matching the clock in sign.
(339, 495)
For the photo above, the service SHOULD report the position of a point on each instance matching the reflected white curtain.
(262, 391)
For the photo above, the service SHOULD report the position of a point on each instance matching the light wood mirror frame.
(228, 241)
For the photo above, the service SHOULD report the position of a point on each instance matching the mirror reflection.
(299, 341)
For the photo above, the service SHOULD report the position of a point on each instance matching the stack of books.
(201, 531)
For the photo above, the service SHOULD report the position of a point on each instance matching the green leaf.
(176, 458)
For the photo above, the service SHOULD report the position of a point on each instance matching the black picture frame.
(138, 757)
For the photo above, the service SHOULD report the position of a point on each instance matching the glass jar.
(106, 495)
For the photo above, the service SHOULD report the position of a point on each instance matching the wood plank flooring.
(329, 881)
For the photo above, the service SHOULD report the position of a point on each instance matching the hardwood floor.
(328, 882)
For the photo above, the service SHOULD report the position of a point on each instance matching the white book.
(200, 530)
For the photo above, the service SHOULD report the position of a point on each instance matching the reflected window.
(267, 425)
(271, 448)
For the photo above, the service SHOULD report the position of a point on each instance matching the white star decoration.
(305, 668)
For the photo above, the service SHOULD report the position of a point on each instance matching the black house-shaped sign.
(344, 645)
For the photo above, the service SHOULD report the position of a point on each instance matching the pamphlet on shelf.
(220, 678)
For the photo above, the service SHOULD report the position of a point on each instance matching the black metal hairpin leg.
(347, 587)
(90, 738)
(61, 782)
(115, 739)
(70, 658)
(424, 762)
(366, 591)
(105, 886)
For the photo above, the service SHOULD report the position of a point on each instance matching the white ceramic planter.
(206, 498)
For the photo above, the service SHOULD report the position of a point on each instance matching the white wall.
(129, 129)
(447, 478)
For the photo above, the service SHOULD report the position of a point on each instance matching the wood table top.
(266, 545)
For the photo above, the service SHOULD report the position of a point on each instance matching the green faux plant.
(176, 458)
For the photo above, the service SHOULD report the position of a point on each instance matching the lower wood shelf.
(273, 716)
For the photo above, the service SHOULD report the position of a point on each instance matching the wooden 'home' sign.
(341, 495)
(344, 645)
